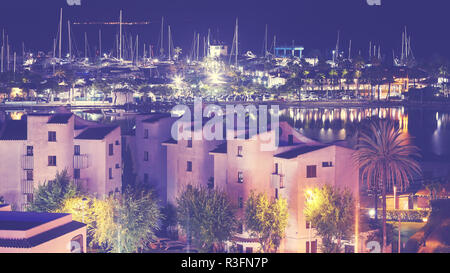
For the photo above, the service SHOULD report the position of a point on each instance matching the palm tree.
(386, 156)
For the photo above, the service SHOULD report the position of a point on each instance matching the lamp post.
(399, 220)
(84, 204)
(309, 199)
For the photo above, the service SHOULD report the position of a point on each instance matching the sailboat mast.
(70, 40)
(85, 45)
(265, 43)
(169, 38)
(60, 32)
(161, 50)
(120, 35)
(100, 42)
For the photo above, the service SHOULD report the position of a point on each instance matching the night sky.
(311, 23)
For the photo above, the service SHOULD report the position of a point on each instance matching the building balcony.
(27, 186)
(27, 162)
(80, 161)
(277, 181)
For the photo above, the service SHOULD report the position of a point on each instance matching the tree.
(50, 196)
(207, 217)
(386, 157)
(267, 220)
(331, 212)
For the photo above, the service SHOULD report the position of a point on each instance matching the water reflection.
(430, 129)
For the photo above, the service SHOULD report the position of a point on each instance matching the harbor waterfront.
(231, 127)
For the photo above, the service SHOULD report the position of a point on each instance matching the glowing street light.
(178, 80)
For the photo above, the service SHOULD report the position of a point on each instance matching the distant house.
(30, 232)
(35, 148)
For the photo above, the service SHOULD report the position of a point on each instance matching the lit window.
(240, 177)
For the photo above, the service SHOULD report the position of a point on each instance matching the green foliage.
(266, 219)
(50, 196)
(121, 223)
(331, 212)
(137, 217)
(207, 217)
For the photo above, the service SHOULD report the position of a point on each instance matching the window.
(308, 225)
(189, 166)
(29, 175)
(111, 149)
(240, 177)
(52, 136)
(29, 150)
(239, 153)
(189, 143)
(145, 178)
(117, 166)
(241, 202)
(327, 164)
(145, 133)
(76, 244)
(290, 139)
(249, 250)
(311, 171)
(29, 198)
(276, 168)
(52, 160)
(117, 143)
(110, 173)
(76, 173)
(145, 156)
(77, 150)
(276, 193)
(313, 247)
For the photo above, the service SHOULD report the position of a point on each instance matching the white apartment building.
(35, 148)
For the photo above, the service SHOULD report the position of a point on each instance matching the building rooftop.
(60, 118)
(97, 133)
(41, 237)
(156, 117)
(300, 150)
(13, 220)
(221, 149)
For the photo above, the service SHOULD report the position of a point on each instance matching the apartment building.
(148, 153)
(35, 148)
(296, 166)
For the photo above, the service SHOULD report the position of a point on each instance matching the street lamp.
(399, 220)
(310, 197)
(84, 204)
